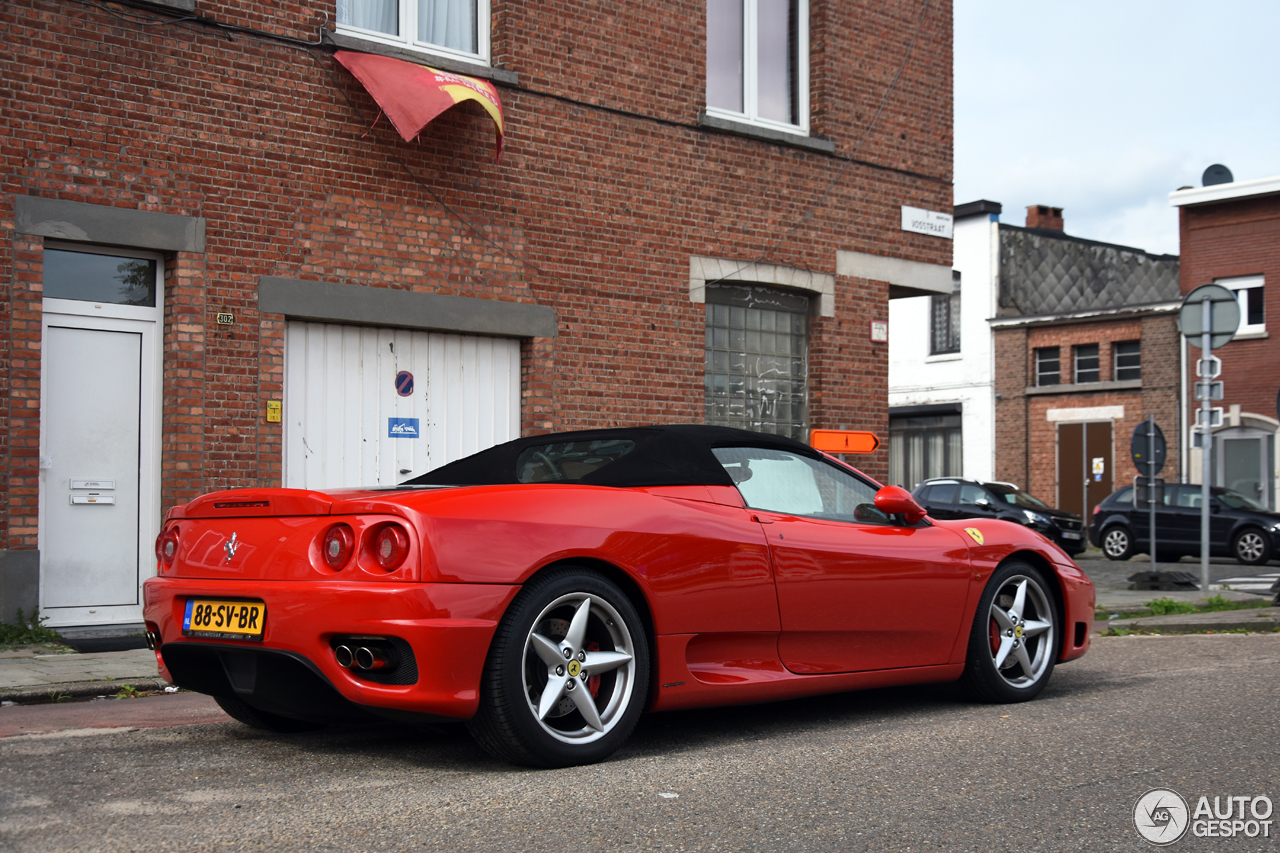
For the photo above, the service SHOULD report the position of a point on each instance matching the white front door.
(1242, 462)
(368, 406)
(99, 448)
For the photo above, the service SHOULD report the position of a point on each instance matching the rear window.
(1125, 496)
(568, 461)
(945, 494)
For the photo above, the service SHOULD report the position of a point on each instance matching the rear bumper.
(293, 671)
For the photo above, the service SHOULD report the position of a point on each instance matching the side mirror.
(983, 502)
(895, 500)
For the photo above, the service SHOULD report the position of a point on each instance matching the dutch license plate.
(224, 620)
(1070, 534)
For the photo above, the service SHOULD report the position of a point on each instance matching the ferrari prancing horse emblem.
(975, 533)
(231, 547)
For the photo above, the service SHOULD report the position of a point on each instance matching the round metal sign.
(1140, 447)
(1224, 315)
(404, 383)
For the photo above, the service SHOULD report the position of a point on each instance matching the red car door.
(856, 591)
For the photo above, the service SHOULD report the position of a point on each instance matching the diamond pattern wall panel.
(1042, 274)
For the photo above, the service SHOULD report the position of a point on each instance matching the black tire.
(1117, 543)
(264, 720)
(1251, 547)
(534, 706)
(1013, 647)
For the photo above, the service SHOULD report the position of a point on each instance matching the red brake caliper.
(593, 681)
(995, 637)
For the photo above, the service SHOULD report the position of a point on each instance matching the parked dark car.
(955, 497)
(1238, 527)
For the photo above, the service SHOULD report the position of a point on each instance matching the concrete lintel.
(905, 278)
(19, 584)
(1085, 413)
(101, 223)
(328, 302)
(431, 60)
(1085, 387)
(704, 270)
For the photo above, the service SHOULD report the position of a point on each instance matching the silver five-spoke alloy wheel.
(1116, 543)
(1021, 631)
(579, 668)
(1250, 547)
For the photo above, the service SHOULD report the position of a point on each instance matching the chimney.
(1040, 216)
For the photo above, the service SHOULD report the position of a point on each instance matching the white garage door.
(370, 406)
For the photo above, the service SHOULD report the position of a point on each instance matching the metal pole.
(1151, 485)
(1206, 441)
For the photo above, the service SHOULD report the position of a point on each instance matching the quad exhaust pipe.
(366, 654)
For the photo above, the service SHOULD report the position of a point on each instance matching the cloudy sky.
(1103, 108)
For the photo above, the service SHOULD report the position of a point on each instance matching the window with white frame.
(1249, 290)
(1087, 366)
(944, 320)
(1048, 366)
(456, 28)
(1128, 360)
(758, 62)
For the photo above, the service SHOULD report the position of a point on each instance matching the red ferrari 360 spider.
(550, 590)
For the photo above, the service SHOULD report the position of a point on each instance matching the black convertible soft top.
(677, 455)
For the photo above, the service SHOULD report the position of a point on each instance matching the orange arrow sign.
(843, 441)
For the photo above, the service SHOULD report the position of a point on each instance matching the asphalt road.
(887, 770)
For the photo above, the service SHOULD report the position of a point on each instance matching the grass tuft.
(28, 631)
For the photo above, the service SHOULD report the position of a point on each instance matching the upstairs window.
(1128, 355)
(758, 62)
(1087, 366)
(457, 28)
(1249, 290)
(1048, 366)
(945, 319)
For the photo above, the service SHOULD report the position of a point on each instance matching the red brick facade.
(1225, 240)
(1027, 446)
(607, 186)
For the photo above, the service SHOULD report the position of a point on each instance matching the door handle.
(762, 520)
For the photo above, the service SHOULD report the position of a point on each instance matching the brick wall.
(1012, 358)
(592, 211)
(1027, 441)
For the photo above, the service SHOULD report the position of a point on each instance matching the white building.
(941, 370)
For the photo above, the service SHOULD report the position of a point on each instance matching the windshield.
(1232, 500)
(1016, 497)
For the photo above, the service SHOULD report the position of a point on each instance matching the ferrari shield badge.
(975, 533)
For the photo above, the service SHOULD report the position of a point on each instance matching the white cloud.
(1103, 108)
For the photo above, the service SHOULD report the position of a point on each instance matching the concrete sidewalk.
(41, 674)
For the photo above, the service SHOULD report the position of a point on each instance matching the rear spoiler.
(251, 503)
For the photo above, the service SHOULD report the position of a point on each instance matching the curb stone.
(1260, 619)
(78, 690)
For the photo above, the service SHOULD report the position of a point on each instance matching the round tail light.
(167, 546)
(390, 547)
(338, 544)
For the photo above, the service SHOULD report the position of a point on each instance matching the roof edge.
(1225, 192)
(1059, 235)
(1085, 316)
